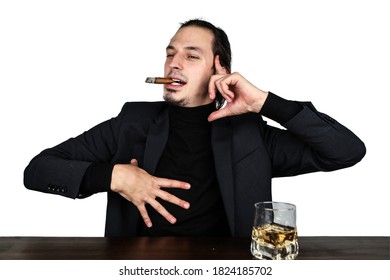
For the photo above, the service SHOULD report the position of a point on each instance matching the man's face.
(190, 59)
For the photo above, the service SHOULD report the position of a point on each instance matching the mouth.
(176, 84)
(177, 81)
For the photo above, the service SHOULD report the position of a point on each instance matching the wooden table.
(184, 248)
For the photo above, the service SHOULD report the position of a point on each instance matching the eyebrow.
(189, 48)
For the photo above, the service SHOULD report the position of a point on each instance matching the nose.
(176, 62)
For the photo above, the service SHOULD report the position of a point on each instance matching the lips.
(177, 83)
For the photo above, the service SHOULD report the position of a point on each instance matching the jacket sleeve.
(60, 170)
(312, 141)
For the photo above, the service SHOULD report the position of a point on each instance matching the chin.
(174, 101)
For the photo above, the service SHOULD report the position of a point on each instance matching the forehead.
(193, 36)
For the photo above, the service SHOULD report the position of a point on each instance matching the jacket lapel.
(156, 141)
(221, 139)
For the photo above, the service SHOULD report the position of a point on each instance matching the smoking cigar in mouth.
(158, 80)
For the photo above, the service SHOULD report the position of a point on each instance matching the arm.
(82, 166)
(61, 169)
(313, 141)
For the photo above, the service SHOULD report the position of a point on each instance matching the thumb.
(221, 113)
(134, 162)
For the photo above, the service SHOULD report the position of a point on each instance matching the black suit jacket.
(247, 153)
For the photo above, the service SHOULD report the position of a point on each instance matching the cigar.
(158, 80)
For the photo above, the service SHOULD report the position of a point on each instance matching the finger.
(172, 199)
(162, 211)
(134, 162)
(221, 84)
(168, 183)
(212, 87)
(223, 88)
(144, 214)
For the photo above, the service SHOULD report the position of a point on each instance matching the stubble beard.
(168, 97)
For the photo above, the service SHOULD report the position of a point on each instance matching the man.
(181, 167)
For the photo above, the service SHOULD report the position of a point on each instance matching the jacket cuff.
(279, 109)
(97, 178)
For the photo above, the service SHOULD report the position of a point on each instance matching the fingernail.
(173, 220)
(149, 225)
(186, 205)
(188, 186)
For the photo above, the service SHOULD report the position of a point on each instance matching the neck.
(190, 115)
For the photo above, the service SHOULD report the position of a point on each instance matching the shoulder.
(248, 118)
(245, 123)
(143, 108)
(142, 111)
(136, 107)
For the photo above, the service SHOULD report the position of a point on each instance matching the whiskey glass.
(274, 232)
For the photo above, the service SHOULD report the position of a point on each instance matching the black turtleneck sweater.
(188, 157)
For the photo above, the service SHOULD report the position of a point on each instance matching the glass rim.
(289, 207)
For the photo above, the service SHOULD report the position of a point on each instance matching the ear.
(219, 69)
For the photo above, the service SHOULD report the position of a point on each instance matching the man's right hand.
(139, 187)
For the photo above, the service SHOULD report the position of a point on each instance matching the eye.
(190, 56)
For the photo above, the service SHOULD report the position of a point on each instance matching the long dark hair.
(221, 47)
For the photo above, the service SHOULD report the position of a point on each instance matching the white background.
(66, 66)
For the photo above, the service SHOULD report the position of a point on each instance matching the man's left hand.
(241, 96)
